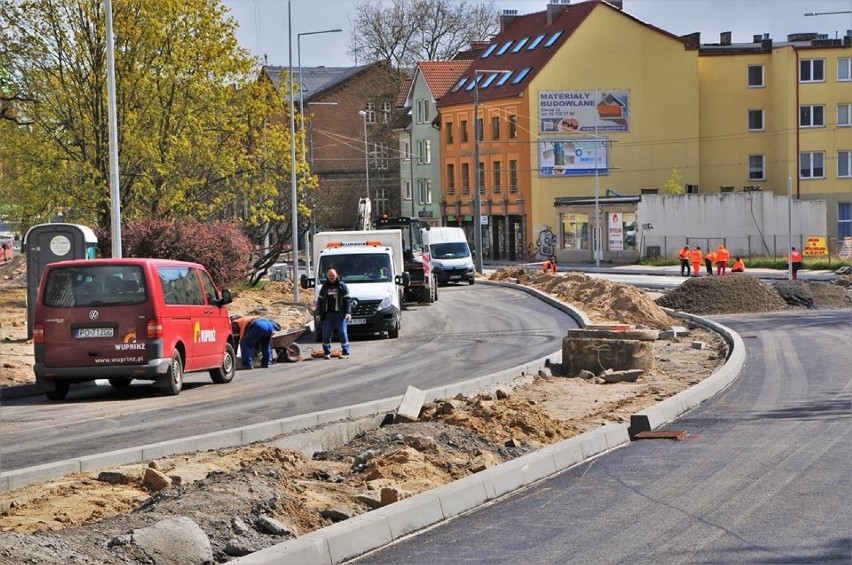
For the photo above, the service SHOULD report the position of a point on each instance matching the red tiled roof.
(441, 76)
(403, 92)
(528, 26)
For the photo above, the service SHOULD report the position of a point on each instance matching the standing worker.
(256, 330)
(550, 266)
(333, 306)
(709, 260)
(684, 261)
(695, 257)
(795, 260)
(722, 256)
(739, 266)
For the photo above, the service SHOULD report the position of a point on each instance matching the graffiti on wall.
(545, 244)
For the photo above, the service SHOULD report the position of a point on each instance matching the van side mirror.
(307, 283)
(227, 298)
(404, 279)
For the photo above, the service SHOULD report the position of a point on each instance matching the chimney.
(506, 18)
(555, 8)
(691, 41)
(756, 38)
(617, 4)
(725, 38)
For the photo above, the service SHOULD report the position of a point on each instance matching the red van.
(125, 319)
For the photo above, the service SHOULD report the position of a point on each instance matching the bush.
(220, 247)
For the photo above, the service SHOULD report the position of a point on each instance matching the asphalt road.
(471, 331)
(763, 476)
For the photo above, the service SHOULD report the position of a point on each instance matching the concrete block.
(357, 536)
(412, 402)
(115, 458)
(502, 479)
(260, 432)
(536, 466)
(699, 345)
(462, 495)
(310, 549)
(566, 453)
(412, 514)
(22, 477)
(202, 442)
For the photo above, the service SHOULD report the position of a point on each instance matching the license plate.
(455, 277)
(83, 333)
(357, 321)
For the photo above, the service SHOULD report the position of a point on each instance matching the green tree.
(675, 183)
(197, 133)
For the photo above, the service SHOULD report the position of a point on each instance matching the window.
(421, 111)
(495, 127)
(755, 120)
(844, 164)
(812, 116)
(451, 178)
(844, 220)
(535, 42)
(479, 132)
(756, 169)
(503, 80)
(386, 112)
(513, 127)
(406, 189)
(497, 175)
(513, 176)
(524, 72)
(459, 84)
(490, 50)
(381, 155)
(382, 202)
(575, 231)
(463, 129)
(448, 127)
(474, 82)
(465, 178)
(426, 151)
(811, 165)
(489, 80)
(505, 47)
(371, 113)
(406, 151)
(755, 76)
(553, 39)
(844, 69)
(844, 115)
(481, 171)
(425, 191)
(812, 70)
(520, 44)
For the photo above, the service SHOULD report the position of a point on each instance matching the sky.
(263, 25)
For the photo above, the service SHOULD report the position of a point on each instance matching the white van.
(450, 254)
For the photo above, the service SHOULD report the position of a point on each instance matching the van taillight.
(38, 333)
(155, 328)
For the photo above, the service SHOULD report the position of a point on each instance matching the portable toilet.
(50, 243)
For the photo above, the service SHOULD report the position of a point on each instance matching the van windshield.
(357, 268)
(453, 250)
(94, 285)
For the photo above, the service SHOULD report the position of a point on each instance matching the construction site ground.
(244, 499)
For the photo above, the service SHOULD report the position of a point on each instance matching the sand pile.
(723, 295)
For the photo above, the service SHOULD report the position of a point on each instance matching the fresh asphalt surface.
(471, 331)
(762, 477)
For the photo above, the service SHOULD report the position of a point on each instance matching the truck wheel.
(120, 382)
(59, 393)
(175, 376)
(226, 372)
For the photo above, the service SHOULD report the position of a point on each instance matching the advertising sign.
(815, 247)
(583, 110)
(616, 232)
(846, 248)
(572, 157)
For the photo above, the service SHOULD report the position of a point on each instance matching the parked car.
(126, 319)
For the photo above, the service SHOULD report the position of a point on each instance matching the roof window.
(490, 50)
(505, 77)
(524, 72)
(553, 39)
(520, 44)
(472, 83)
(505, 47)
(535, 42)
(459, 84)
(489, 80)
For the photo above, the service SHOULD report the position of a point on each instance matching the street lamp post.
(477, 201)
(299, 60)
(363, 114)
(311, 161)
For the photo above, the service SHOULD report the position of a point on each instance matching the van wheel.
(225, 373)
(471, 281)
(59, 393)
(394, 333)
(120, 382)
(175, 376)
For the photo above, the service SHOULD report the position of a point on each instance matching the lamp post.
(477, 202)
(299, 61)
(294, 215)
(311, 161)
(115, 214)
(363, 114)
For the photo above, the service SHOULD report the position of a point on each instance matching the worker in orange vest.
(550, 266)
(739, 266)
(695, 258)
(722, 256)
(684, 261)
(795, 260)
(709, 259)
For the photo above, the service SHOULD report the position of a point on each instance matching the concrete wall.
(748, 223)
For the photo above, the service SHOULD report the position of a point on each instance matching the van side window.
(209, 288)
(180, 285)
(94, 286)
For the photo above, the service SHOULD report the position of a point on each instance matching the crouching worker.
(256, 330)
(739, 266)
(333, 307)
(550, 266)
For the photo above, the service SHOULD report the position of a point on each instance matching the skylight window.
(524, 72)
(490, 50)
(535, 42)
(489, 80)
(459, 84)
(553, 39)
(505, 47)
(505, 77)
(475, 80)
(520, 45)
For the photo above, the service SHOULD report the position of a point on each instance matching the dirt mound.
(14, 272)
(723, 295)
(602, 300)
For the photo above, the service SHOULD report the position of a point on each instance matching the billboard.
(572, 157)
(566, 111)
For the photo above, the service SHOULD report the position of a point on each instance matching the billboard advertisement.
(567, 111)
(572, 157)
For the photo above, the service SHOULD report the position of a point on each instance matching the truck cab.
(423, 287)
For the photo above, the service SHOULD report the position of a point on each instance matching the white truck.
(371, 265)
